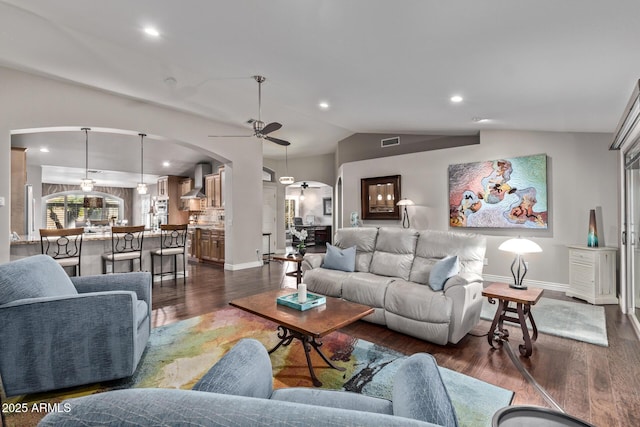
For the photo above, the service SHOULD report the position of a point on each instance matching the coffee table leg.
(307, 351)
(316, 345)
(286, 336)
(525, 349)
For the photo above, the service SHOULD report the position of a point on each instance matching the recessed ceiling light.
(323, 105)
(480, 120)
(151, 32)
(456, 98)
(166, 164)
(44, 150)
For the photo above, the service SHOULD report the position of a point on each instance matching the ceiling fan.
(260, 130)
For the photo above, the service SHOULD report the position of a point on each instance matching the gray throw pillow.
(340, 259)
(442, 270)
(33, 277)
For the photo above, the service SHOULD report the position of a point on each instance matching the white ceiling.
(384, 66)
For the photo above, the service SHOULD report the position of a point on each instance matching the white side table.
(592, 274)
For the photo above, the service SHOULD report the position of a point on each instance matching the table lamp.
(405, 214)
(519, 269)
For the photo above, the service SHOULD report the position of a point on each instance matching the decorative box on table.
(291, 300)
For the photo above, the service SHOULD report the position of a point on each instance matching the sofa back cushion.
(435, 245)
(340, 259)
(33, 277)
(364, 239)
(395, 250)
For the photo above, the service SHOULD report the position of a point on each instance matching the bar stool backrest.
(61, 243)
(173, 236)
(127, 239)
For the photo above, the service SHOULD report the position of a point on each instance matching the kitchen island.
(94, 244)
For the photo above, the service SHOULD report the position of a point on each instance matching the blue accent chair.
(59, 332)
(238, 391)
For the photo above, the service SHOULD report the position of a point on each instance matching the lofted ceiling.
(382, 66)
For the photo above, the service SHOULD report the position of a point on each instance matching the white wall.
(30, 101)
(582, 175)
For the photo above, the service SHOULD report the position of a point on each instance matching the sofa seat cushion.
(417, 302)
(364, 239)
(395, 250)
(34, 277)
(334, 399)
(366, 288)
(325, 282)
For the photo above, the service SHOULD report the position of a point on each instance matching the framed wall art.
(379, 197)
(503, 193)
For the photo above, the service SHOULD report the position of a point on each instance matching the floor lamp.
(405, 214)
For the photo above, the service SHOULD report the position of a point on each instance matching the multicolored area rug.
(179, 354)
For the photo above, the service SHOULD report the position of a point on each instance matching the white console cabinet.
(592, 274)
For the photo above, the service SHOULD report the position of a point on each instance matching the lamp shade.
(405, 202)
(286, 180)
(520, 246)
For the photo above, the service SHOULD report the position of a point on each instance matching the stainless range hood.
(200, 171)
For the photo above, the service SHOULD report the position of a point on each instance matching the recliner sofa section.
(392, 271)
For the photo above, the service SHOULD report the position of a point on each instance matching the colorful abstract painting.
(503, 193)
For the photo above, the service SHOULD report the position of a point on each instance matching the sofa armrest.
(465, 292)
(244, 371)
(138, 282)
(312, 261)
(419, 392)
(55, 342)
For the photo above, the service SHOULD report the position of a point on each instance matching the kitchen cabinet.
(592, 274)
(163, 186)
(186, 185)
(213, 190)
(170, 188)
(211, 245)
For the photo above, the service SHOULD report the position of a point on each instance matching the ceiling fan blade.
(277, 141)
(231, 136)
(271, 127)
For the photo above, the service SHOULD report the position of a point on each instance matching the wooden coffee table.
(523, 300)
(307, 326)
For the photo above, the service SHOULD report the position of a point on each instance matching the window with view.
(78, 209)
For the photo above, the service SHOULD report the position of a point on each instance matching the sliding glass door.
(631, 236)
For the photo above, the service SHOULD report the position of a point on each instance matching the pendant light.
(86, 184)
(142, 187)
(286, 180)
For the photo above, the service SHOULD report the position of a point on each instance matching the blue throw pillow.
(340, 259)
(442, 270)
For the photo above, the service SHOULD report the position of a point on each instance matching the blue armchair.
(59, 332)
(238, 391)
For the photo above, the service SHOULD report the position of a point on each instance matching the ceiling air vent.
(388, 142)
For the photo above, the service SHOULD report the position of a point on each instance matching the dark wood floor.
(600, 385)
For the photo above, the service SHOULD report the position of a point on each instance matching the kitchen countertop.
(92, 236)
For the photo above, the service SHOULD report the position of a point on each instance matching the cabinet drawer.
(582, 256)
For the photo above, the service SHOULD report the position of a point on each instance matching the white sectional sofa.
(392, 269)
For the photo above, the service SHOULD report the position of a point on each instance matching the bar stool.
(64, 245)
(173, 239)
(126, 245)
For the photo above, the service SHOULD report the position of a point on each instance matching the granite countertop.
(92, 236)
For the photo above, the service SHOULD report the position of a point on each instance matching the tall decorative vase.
(592, 237)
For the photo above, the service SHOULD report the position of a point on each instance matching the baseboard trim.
(561, 287)
(243, 266)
